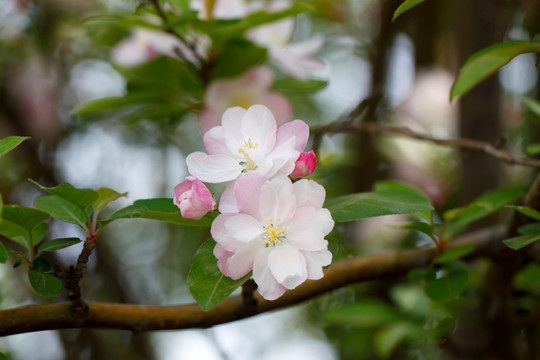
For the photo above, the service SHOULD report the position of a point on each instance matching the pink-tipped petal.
(297, 128)
(247, 193)
(309, 193)
(215, 141)
(268, 287)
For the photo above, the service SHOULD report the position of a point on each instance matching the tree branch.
(468, 144)
(143, 318)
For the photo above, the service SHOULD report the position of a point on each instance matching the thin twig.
(467, 144)
(144, 318)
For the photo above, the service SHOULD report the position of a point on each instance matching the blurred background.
(57, 55)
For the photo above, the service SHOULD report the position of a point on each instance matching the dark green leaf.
(526, 210)
(4, 254)
(363, 313)
(39, 233)
(518, 242)
(528, 279)
(206, 282)
(62, 209)
(41, 265)
(1, 206)
(163, 209)
(57, 244)
(529, 229)
(406, 5)
(454, 253)
(447, 283)
(377, 203)
(117, 103)
(236, 58)
(387, 185)
(82, 198)
(458, 219)
(9, 143)
(105, 196)
(417, 274)
(3, 356)
(487, 61)
(44, 284)
(297, 85)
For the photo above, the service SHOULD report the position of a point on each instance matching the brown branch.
(144, 318)
(467, 144)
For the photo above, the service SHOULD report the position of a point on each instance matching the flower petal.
(227, 202)
(296, 128)
(305, 235)
(287, 265)
(277, 200)
(268, 287)
(241, 262)
(214, 141)
(315, 260)
(232, 124)
(259, 126)
(247, 193)
(221, 234)
(244, 227)
(283, 158)
(309, 193)
(213, 168)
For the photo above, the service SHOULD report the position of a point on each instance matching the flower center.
(248, 163)
(274, 233)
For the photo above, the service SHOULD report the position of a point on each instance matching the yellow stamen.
(274, 234)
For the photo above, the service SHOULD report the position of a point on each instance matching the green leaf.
(62, 209)
(9, 143)
(297, 85)
(528, 278)
(454, 253)
(458, 219)
(41, 264)
(529, 229)
(15, 233)
(44, 284)
(25, 217)
(105, 196)
(527, 211)
(419, 226)
(206, 282)
(1, 206)
(129, 212)
(386, 340)
(57, 244)
(163, 209)
(531, 104)
(406, 5)
(518, 242)
(377, 203)
(82, 198)
(426, 216)
(236, 58)
(363, 313)
(447, 283)
(487, 61)
(4, 254)
(221, 30)
(3, 356)
(533, 149)
(117, 103)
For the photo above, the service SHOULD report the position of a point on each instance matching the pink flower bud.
(193, 198)
(305, 165)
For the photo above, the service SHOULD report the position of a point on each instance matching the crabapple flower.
(248, 140)
(253, 87)
(144, 45)
(193, 198)
(305, 165)
(278, 233)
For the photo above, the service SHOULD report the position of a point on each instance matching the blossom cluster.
(267, 224)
